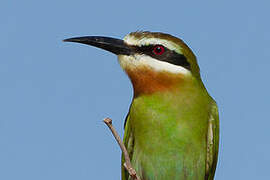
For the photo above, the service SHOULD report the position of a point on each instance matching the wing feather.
(129, 144)
(212, 143)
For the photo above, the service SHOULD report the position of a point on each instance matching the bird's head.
(154, 61)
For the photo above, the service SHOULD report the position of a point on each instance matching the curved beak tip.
(71, 40)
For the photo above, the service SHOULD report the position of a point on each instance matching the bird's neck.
(146, 81)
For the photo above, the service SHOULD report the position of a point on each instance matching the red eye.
(158, 50)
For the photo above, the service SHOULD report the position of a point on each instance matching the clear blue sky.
(54, 95)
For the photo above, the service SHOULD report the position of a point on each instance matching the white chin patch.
(140, 60)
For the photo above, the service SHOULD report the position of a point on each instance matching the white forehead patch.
(140, 60)
(131, 40)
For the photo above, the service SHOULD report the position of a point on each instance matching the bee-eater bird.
(172, 128)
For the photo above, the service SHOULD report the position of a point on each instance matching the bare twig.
(127, 163)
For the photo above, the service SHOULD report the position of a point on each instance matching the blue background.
(54, 95)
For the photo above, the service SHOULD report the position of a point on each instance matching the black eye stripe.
(143, 49)
(168, 55)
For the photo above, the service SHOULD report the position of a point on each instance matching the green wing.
(212, 143)
(129, 143)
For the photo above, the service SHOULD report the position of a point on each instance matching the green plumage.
(173, 135)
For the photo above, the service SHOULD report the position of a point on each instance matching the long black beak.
(116, 46)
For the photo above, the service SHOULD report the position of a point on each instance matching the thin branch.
(127, 163)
